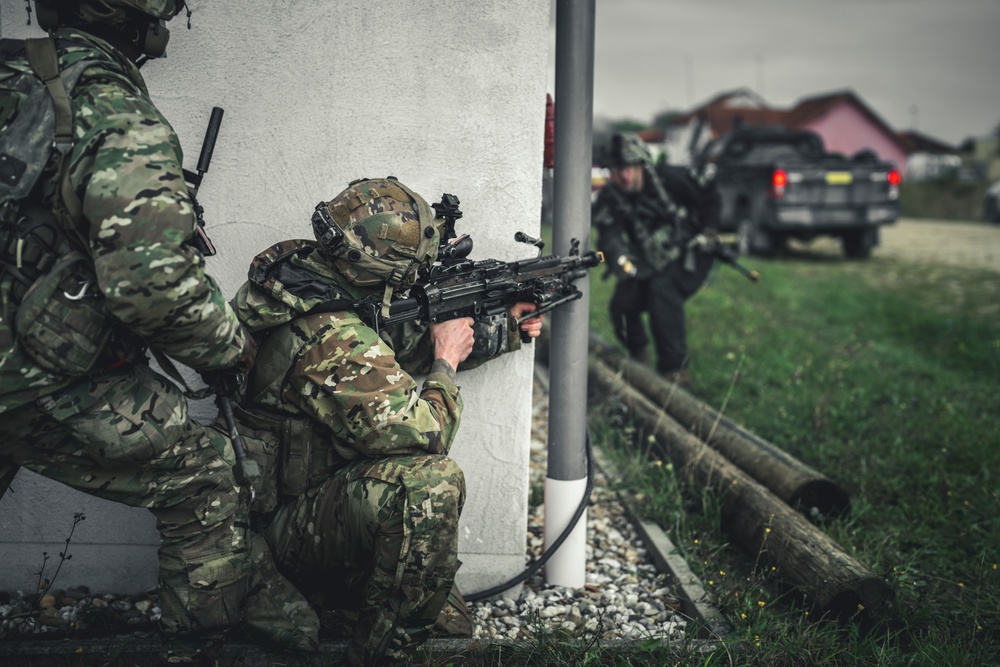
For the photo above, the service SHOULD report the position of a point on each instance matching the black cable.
(537, 565)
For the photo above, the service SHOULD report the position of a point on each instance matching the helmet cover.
(115, 12)
(626, 149)
(378, 231)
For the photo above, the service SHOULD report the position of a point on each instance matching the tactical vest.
(655, 239)
(660, 244)
(55, 324)
(292, 451)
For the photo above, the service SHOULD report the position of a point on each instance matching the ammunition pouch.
(492, 332)
(660, 249)
(287, 450)
(63, 322)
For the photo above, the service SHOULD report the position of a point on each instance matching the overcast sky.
(933, 65)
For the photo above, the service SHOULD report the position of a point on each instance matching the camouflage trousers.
(380, 538)
(128, 438)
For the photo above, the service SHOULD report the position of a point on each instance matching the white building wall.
(446, 95)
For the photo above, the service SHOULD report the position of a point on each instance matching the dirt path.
(968, 244)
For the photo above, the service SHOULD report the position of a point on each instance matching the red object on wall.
(550, 132)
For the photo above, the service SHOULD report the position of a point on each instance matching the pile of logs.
(765, 493)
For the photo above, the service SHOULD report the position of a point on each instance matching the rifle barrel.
(208, 145)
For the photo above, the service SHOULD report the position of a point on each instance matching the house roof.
(742, 104)
(723, 111)
(653, 135)
(921, 143)
(813, 108)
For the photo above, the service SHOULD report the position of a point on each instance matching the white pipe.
(568, 565)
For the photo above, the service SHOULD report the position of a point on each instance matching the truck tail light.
(894, 178)
(779, 179)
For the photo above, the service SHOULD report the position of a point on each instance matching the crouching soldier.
(97, 267)
(358, 498)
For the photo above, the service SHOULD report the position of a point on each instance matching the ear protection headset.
(152, 43)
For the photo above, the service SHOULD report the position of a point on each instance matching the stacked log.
(757, 519)
(791, 480)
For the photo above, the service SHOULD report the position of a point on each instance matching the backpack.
(53, 327)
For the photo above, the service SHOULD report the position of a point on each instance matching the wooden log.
(791, 480)
(760, 522)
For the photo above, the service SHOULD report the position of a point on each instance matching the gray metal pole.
(567, 463)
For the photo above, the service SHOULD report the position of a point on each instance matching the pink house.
(846, 124)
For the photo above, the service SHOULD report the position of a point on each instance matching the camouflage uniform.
(653, 228)
(121, 431)
(373, 527)
(360, 498)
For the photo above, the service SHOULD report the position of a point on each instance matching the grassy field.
(945, 199)
(886, 377)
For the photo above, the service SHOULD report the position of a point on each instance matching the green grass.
(886, 377)
(943, 199)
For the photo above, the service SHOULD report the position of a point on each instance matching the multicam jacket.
(331, 368)
(125, 167)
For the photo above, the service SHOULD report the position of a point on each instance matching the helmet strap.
(395, 278)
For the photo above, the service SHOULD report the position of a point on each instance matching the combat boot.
(455, 620)
(274, 610)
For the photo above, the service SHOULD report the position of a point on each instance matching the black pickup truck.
(776, 184)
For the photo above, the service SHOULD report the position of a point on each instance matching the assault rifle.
(713, 246)
(224, 383)
(457, 286)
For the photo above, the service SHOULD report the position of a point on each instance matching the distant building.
(929, 158)
(984, 157)
(846, 124)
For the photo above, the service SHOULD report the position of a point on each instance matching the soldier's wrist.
(444, 367)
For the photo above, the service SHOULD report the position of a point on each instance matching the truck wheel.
(751, 239)
(858, 243)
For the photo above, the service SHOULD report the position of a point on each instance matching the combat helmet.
(378, 232)
(54, 13)
(626, 148)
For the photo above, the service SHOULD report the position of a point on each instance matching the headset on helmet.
(627, 149)
(378, 231)
(53, 13)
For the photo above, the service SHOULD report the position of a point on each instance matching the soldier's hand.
(229, 381)
(624, 267)
(453, 340)
(226, 382)
(248, 354)
(531, 327)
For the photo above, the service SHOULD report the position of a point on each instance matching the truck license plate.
(839, 177)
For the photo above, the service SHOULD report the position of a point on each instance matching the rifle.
(201, 240)
(456, 286)
(709, 243)
(246, 471)
(727, 255)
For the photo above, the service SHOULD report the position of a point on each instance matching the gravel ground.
(625, 597)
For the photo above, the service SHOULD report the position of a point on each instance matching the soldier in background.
(358, 497)
(649, 221)
(96, 266)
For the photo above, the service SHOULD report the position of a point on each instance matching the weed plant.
(884, 376)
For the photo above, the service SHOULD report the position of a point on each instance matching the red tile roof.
(726, 109)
